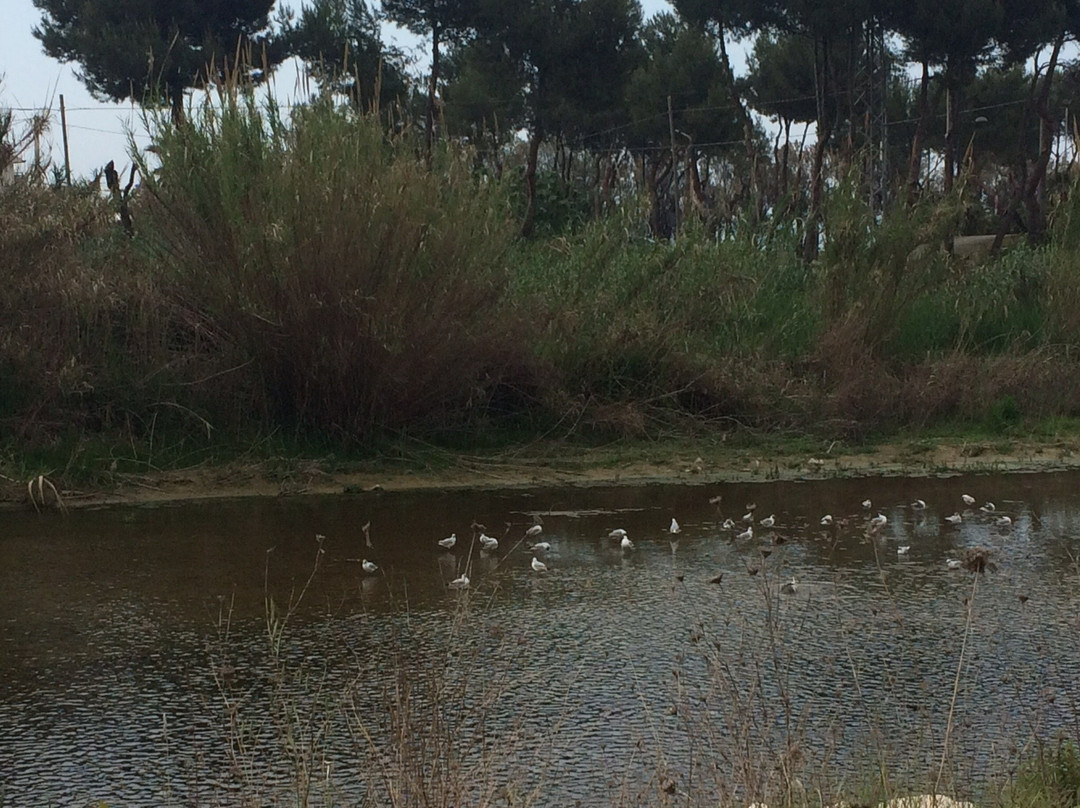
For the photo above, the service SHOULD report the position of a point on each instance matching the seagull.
(461, 582)
(918, 505)
(867, 504)
(878, 521)
(954, 519)
(488, 542)
(988, 508)
(1003, 521)
(954, 563)
(790, 588)
(538, 565)
(748, 517)
(626, 544)
(617, 533)
(674, 526)
(535, 530)
(903, 549)
(968, 499)
(746, 534)
(827, 519)
(541, 547)
(370, 567)
(449, 541)
(769, 520)
(728, 524)
(716, 500)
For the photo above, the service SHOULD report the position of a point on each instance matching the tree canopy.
(152, 50)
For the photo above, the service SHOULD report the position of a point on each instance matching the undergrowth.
(307, 279)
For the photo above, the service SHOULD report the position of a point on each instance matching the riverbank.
(683, 460)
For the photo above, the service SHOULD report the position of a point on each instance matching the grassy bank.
(307, 286)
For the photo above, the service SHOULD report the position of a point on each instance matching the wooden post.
(63, 129)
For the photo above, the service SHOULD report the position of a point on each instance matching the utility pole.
(63, 129)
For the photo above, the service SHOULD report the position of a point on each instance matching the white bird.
(370, 567)
(903, 549)
(626, 544)
(449, 541)
(867, 504)
(1003, 521)
(790, 587)
(747, 534)
(769, 520)
(954, 563)
(535, 530)
(968, 499)
(879, 521)
(988, 508)
(954, 519)
(728, 524)
(461, 582)
(617, 533)
(541, 547)
(488, 542)
(748, 517)
(538, 565)
(674, 526)
(918, 505)
(827, 519)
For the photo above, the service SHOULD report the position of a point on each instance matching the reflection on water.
(139, 666)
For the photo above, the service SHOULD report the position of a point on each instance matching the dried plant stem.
(956, 683)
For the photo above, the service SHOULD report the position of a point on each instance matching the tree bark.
(528, 224)
(914, 168)
(733, 92)
(176, 104)
(824, 132)
(433, 81)
(1029, 189)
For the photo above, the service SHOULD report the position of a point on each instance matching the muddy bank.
(553, 464)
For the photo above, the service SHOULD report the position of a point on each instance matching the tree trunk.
(433, 81)
(950, 130)
(1029, 193)
(824, 131)
(914, 168)
(529, 223)
(733, 92)
(176, 103)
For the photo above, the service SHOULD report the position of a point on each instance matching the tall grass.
(355, 290)
(309, 275)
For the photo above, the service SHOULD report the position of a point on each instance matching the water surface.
(140, 667)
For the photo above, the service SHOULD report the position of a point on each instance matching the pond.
(237, 653)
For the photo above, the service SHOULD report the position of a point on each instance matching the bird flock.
(742, 531)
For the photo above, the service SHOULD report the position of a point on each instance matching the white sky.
(31, 81)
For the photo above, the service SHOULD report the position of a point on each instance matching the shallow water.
(138, 667)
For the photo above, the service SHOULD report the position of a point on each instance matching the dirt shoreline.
(549, 466)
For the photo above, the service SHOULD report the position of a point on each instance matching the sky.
(98, 131)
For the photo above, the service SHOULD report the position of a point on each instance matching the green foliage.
(341, 46)
(1049, 779)
(151, 50)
